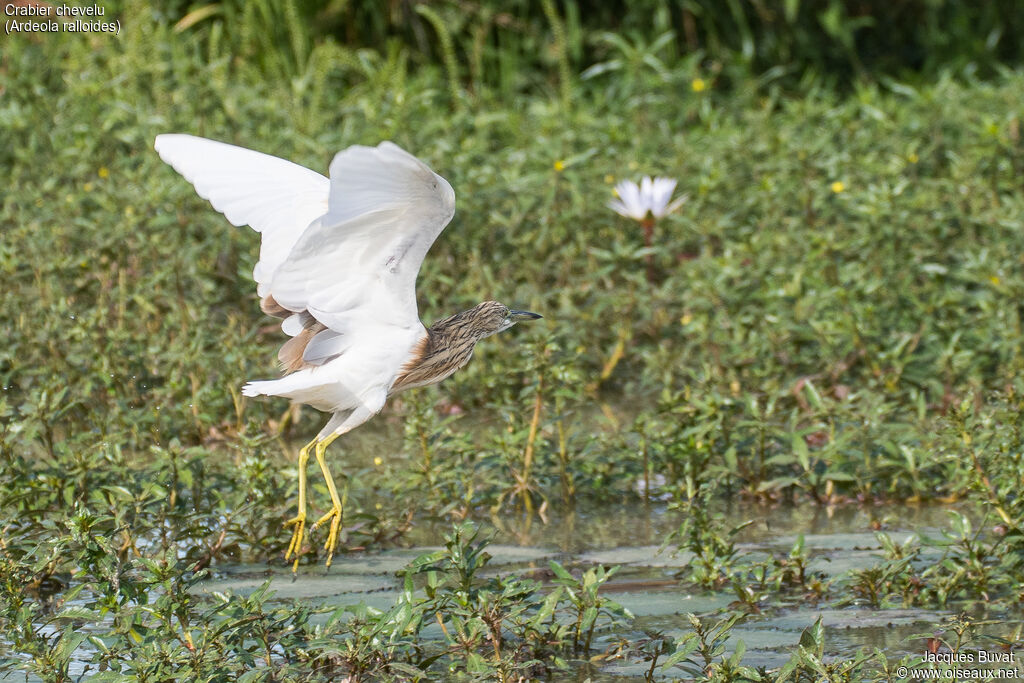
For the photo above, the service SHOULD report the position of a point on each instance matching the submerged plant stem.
(538, 403)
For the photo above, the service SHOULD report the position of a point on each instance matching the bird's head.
(492, 317)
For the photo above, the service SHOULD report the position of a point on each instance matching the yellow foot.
(299, 522)
(332, 536)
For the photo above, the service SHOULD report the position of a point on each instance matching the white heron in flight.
(338, 262)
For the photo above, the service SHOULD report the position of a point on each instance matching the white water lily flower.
(650, 196)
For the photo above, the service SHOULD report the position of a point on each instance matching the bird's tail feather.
(256, 388)
(297, 386)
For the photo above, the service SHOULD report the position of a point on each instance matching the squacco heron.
(338, 263)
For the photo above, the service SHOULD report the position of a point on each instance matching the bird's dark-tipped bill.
(524, 315)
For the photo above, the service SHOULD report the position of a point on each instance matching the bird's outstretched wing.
(356, 266)
(341, 254)
(275, 197)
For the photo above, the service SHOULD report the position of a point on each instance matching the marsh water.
(629, 533)
(629, 536)
(837, 541)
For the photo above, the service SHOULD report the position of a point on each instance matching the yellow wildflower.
(698, 85)
(559, 165)
(838, 187)
(103, 172)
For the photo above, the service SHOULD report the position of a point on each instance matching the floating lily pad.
(513, 554)
(650, 604)
(647, 556)
(797, 620)
(844, 541)
(838, 563)
(306, 586)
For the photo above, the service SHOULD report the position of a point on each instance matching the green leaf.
(560, 571)
(684, 649)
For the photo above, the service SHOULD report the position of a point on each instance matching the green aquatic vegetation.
(142, 615)
(716, 559)
(589, 610)
(650, 648)
(701, 653)
(487, 623)
(878, 586)
(959, 638)
(792, 570)
(970, 567)
(741, 359)
(507, 624)
(968, 562)
(808, 662)
(762, 583)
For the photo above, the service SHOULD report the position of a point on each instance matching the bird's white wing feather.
(277, 198)
(356, 266)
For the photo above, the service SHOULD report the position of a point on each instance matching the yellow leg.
(335, 514)
(299, 521)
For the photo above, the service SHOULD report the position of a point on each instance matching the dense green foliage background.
(515, 46)
(834, 316)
